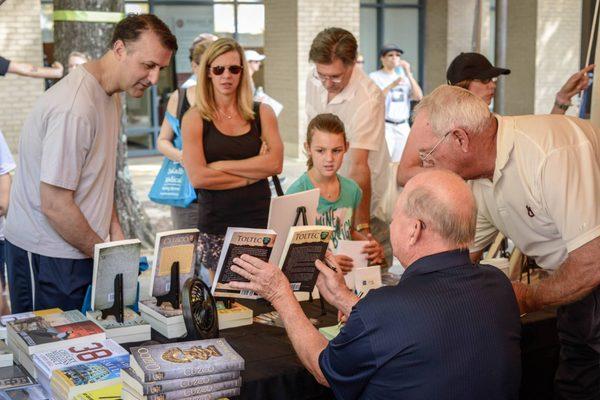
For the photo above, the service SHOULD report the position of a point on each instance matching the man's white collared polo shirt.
(545, 192)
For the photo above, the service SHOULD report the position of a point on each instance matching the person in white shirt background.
(7, 164)
(399, 87)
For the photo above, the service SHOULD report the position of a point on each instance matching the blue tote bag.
(172, 186)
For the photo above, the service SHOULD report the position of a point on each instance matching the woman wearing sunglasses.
(231, 145)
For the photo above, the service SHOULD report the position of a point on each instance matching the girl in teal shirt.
(339, 196)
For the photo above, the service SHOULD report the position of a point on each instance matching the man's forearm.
(416, 94)
(116, 232)
(574, 279)
(71, 225)
(361, 174)
(307, 341)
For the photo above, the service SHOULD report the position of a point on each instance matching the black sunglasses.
(219, 69)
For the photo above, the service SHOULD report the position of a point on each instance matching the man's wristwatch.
(562, 106)
(362, 227)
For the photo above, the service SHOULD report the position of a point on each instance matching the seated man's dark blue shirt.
(448, 330)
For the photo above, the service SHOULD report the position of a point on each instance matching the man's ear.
(415, 233)
(461, 137)
(119, 49)
(306, 148)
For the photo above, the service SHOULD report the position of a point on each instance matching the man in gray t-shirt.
(63, 193)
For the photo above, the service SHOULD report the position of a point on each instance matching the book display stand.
(173, 296)
(117, 308)
(198, 307)
(301, 212)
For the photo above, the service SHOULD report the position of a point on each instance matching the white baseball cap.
(252, 55)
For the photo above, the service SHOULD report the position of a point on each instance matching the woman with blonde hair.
(231, 146)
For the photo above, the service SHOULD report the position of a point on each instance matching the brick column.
(20, 40)
(292, 25)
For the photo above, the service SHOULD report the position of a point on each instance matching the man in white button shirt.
(540, 186)
(335, 85)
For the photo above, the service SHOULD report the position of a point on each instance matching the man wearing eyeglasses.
(336, 85)
(536, 179)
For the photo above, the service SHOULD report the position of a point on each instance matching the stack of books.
(133, 328)
(169, 322)
(17, 384)
(172, 249)
(30, 336)
(165, 319)
(47, 362)
(6, 356)
(5, 319)
(203, 369)
(69, 382)
(237, 315)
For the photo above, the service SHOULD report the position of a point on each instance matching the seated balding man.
(448, 330)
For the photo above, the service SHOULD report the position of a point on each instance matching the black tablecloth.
(539, 355)
(274, 372)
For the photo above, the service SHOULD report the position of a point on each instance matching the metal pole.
(500, 56)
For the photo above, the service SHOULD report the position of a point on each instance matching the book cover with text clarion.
(170, 247)
(184, 359)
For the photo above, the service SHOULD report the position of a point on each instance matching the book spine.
(193, 371)
(184, 383)
(215, 395)
(197, 390)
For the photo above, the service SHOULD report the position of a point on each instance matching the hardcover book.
(110, 259)
(14, 376)
(35, 334)
(5, 319)
(81, 378)
(49, 361)
(193, 391)
(283, 210)
(130, 379)
(304, 245)
(184, 359)
(32, 392)
(165, 310)
(131, 319)
(133, 328)
(255, 242)
(227, 393)
(170, 247)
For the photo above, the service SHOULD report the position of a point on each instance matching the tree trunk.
(89, 37)
(93, 38)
